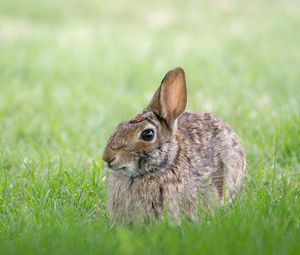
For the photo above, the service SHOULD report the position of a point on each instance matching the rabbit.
(169, 162)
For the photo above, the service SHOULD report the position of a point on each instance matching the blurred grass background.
(71, 71)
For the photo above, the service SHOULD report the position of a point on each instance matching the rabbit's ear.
(169, 101)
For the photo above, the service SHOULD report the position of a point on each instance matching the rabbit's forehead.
(130, 128)
(149, 116)
(127, 130)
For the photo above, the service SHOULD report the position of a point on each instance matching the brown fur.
(194, 160)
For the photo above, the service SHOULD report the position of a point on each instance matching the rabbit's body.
(193, 161)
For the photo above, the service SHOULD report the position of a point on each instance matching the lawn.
(70, 71)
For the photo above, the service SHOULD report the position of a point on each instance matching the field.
(70, 71)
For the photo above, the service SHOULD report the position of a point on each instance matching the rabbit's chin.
(129, 171)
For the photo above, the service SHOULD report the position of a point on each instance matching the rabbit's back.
(216, 157)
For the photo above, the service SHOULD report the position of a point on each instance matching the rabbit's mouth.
(119, 169)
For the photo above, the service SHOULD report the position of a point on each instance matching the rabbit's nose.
(108, 155)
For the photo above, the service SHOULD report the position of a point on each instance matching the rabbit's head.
(147, 142)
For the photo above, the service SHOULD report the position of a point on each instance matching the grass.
(71, 71)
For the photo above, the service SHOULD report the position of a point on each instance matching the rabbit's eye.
(147, 134)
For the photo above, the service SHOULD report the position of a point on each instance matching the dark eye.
(147, 134)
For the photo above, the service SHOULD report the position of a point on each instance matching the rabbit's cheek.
(126, 159)
(148, 146)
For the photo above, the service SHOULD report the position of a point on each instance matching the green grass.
(71, 71)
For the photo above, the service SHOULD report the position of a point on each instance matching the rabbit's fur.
(194, 160)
